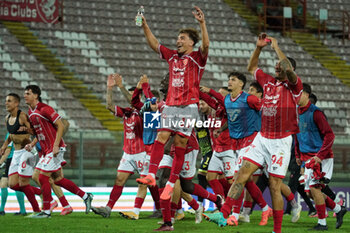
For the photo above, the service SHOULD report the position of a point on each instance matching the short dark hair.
(307, 88)
(164, 84)
(132, 89)
(14, 95)
(292, 61)
(156, 94)
(35, 89)
(240, 76)
(313, 98)
(257, 86)
(192, 34)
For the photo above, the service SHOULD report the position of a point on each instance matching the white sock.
(236, 215)
(294, 203)
(47, 211)
(265, 208)
(246, 210)
(136, 211)
(85, 196)
(153, 175)
(53, 201)
(200, 203)
(337, 208)
(108, 208)
(322, 222)
(66, 206)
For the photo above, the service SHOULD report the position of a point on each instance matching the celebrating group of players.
(254, 137)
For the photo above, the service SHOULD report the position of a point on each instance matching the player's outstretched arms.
(151, 39)
(199, 16)
(254, 59)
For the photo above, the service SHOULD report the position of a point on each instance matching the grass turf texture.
(80, 222)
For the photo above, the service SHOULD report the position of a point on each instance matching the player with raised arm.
(48, 129)
(272, 145)
(134, 149)
(186, 68)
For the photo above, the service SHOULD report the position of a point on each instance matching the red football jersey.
(42, 118)
(279, 115)
(185, 74)
(133, 129)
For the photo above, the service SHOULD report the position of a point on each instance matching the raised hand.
(144, 79)
(198, 14)
(205, 89)
(261, 42)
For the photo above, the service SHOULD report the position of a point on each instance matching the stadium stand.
(97, 38)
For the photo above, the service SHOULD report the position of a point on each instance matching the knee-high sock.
(193, 204)
(155, 195)
(321, 211)
(20, 199)
(202, 181)
(70, 186)
(156, 156)
(28, 191)
(256, 193)
(138, 204)
(201, 192)
(238, 204)
(277, 220)
(225, 184)
(229, 204)
(114, 196)
(63, 201)
(4, 195)
(178, 161)
(36, 190)
(217, 187)
(45, 190)
(165, 207)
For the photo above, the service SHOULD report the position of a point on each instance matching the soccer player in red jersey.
(134, 149)
(279, 120)
(48, 129)
(186, 68)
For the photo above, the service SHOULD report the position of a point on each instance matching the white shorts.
(23, 163)
(239, 161)
(189, 167)
(132, 163)
(275, 153)
(173, 115)
(50, 163)
(223, 163)
(327, 167)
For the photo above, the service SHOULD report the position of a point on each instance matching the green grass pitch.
(80, 222)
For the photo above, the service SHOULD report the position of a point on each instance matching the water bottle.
(140, 12)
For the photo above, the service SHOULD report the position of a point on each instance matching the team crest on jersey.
(185, 61)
